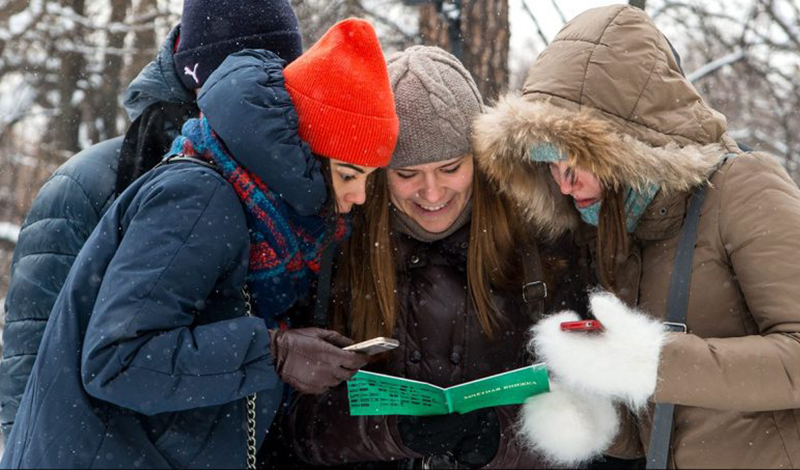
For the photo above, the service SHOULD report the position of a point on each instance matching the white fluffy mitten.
(621, 362)
(567, 427)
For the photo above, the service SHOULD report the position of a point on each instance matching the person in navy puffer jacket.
(169, 318)
(158, 101)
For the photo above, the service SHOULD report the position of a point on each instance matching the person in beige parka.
(609, 140)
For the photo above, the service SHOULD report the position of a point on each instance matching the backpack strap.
(534, 289)
(181, 158)
(677, 309)
(677, 303)
(322, 298)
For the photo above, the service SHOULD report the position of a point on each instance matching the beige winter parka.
(609, 93)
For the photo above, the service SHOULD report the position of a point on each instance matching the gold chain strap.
(251, 401)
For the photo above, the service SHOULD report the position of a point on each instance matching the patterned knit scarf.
(285, 248)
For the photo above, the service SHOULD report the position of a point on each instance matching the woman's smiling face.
(433, 194)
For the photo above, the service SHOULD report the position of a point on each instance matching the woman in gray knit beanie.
(431, 179)
(437, 261)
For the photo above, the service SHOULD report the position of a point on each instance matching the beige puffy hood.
(608, 93)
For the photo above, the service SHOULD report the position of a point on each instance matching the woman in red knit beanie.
(340, 88)
(169, 345)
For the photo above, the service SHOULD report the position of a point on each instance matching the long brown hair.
(364, 289)
(612, 238)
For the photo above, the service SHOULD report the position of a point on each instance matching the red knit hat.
(340, 88)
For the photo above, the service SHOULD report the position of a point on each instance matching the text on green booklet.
(378, 394)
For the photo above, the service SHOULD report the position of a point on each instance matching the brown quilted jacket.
(441, 343)
(609, 93)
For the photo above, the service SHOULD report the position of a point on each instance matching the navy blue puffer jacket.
(62, 216)
(70, 204)
(148, 356)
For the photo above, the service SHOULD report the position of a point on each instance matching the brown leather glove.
(312, 360)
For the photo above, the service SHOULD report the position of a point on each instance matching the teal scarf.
(635, 204)
(635, 201)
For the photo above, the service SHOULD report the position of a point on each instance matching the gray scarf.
(406, 225)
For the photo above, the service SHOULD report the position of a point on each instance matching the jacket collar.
(663, 218)
(157, 82)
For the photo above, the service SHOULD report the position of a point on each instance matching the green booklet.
(378, 394)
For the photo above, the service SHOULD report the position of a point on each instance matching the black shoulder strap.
(677, 308)
(323, 296)
(534, 289)
(180, 158)
(677, 303)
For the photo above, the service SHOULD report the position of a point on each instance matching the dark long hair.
(149, 138)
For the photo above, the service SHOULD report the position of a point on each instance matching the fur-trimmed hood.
(609, 94)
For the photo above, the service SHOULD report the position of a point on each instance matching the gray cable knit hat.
(436, 100)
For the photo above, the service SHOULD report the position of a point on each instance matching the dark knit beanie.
(213, 29)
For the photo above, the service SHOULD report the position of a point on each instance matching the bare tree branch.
(11, 8)
(90, 50)
(385, 20)
(558, 10)
(792, 34)
(713, 66)
(142, 23)
(747, 66)
(535, 22)
(697, 11)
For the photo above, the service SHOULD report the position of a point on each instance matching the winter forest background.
(65, 63)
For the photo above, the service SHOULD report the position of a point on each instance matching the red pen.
(588, 326)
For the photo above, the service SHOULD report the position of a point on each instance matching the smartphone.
(374, 346)
(587, 326)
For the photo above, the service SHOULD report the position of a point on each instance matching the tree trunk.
(352, 8)
(432, 29)
(108, 98)
(144, 43)
(10, 9)
(481, 41)
(73, 70)
(637, 3)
